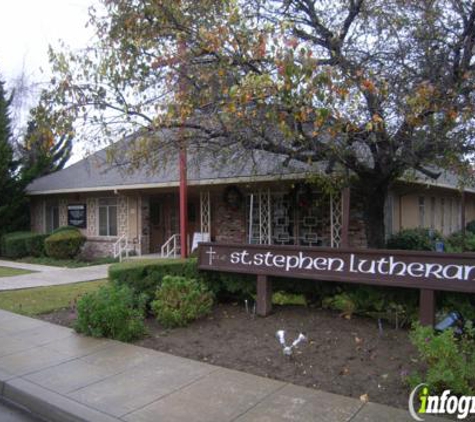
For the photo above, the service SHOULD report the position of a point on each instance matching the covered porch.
(266, 213)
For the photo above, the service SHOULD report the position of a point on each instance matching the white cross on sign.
(211, 254)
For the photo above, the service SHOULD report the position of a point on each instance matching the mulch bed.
(343, 356)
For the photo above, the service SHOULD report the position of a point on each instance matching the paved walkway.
(51, 276)
(29, 267)
(62, 376)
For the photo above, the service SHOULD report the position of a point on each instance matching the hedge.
(64, 244)
(20, 244)
(381, 302)
(146, 276)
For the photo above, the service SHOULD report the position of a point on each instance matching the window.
(51, 216)
(442, 215)
(107, 217)
(432, 213)
(422, 211)
(450, 216)
(458, 214)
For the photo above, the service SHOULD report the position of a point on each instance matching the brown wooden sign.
(421, 270)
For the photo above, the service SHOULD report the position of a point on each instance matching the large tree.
(47, 144)
(11, 197)
(376, 88)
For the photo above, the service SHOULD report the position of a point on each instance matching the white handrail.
(171, 246)
(121, 245)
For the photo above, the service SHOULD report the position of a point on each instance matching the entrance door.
(157, 227)
(164, 220)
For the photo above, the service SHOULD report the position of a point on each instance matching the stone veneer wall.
(37, 215)
(92, 227)
(95, 246)
(63, 212)
(122, 228)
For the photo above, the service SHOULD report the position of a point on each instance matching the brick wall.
(96, 247)
(228, 225)
(357, 235)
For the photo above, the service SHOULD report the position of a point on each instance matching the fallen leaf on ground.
(364, 398)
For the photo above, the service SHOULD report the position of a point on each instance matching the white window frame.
(422, 210)
(49, 212)
(108, 207)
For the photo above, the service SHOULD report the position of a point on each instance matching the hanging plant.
(233, 197)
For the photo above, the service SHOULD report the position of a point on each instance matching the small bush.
(454, 242)
(180, 300)
(396, 305)
(470, 227)
(20, 244)
(64, 229)
(65, 244)
(414, 240)
(450, 361)
(113, 312)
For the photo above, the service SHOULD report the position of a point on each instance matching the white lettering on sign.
(387, 266)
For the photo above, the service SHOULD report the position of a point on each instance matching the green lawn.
(10, 272)
(69, 263)
(41, 300)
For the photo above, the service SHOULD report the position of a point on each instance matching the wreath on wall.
(302, 195)
(232, 197)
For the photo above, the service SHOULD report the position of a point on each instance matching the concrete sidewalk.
(54, 277)
(29, 267)
(61, 376)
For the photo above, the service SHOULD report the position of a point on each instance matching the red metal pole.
(183, 168)
(183, 202)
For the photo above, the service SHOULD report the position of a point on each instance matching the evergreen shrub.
(418, 239)
(113, 312)
(20, 244)
(180, 300)
(449, 359)
(64, 244)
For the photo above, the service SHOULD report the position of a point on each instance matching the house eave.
(163, 185)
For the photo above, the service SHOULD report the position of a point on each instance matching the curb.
(47, 405)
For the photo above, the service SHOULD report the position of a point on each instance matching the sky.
(27, 28)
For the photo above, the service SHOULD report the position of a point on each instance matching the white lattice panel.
(205, 212)
(336, 216)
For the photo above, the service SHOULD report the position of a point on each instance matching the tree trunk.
(373, 195)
